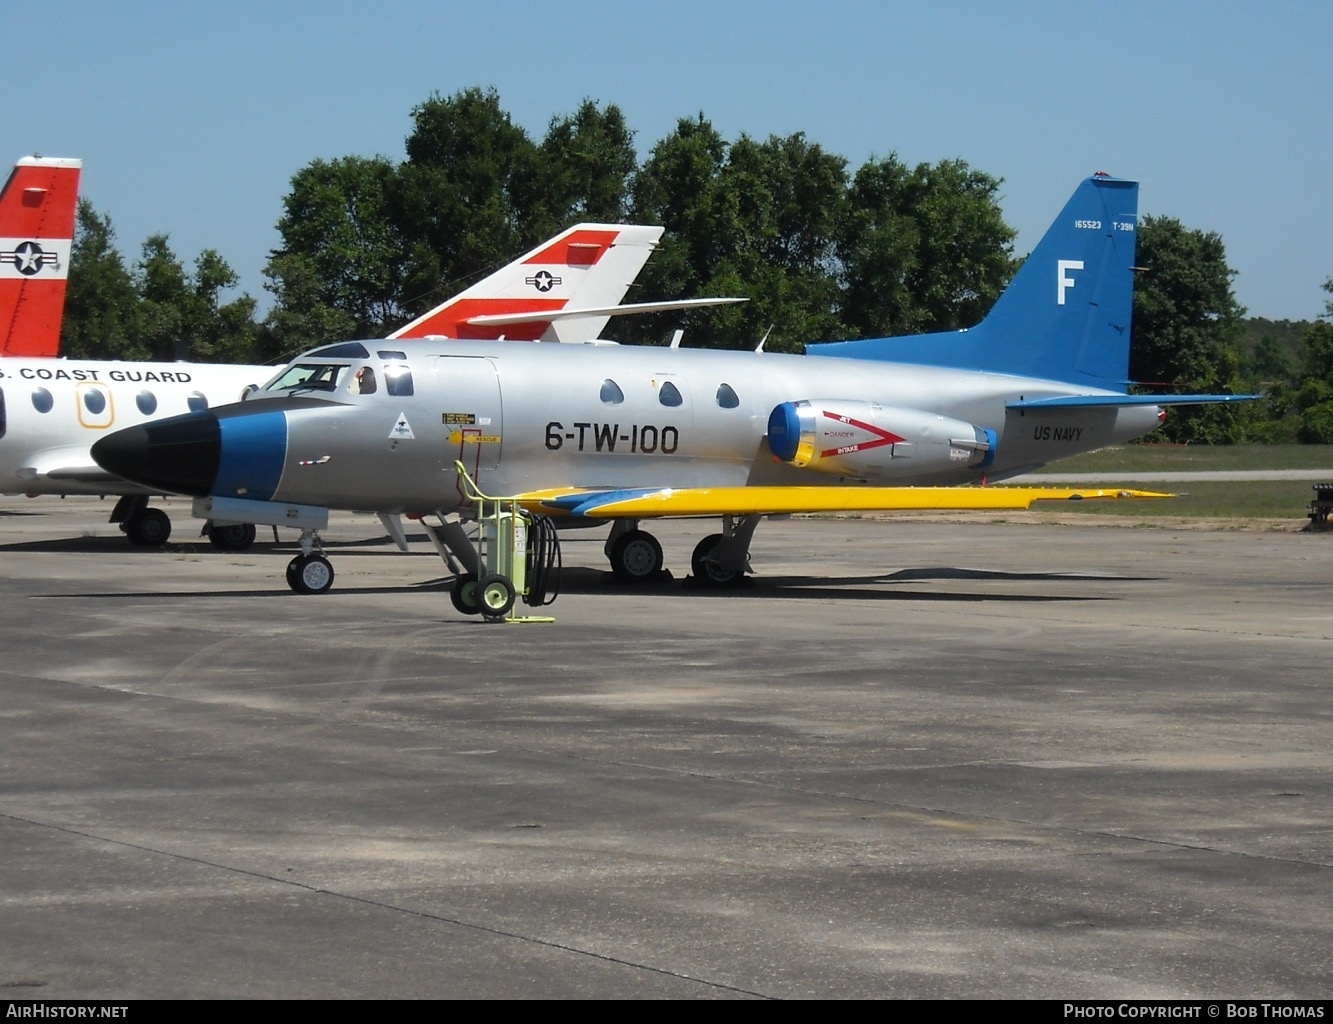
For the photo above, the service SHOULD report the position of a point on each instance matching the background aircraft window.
(726, 397)
(42, 400)
(197, 402)
(147, 402)
(95, 402)
(670, 395)
(397, 378)
(611, 393)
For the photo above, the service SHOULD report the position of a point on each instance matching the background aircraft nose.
(178, 455)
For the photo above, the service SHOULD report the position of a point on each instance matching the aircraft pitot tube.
(869, 441)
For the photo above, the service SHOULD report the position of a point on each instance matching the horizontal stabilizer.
(1126, 401)
(56, 468)
(648, 503)
(628, 309)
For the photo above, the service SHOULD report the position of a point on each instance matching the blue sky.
(191, 118)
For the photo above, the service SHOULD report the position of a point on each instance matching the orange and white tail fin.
(37, 209)
(590, 266)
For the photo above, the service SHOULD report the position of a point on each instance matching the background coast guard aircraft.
(626, 434)
(51, 411)
(37, 212)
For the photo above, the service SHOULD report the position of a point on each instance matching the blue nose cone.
(235, 452)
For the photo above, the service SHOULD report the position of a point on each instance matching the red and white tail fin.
(37, 211)
(590, 266)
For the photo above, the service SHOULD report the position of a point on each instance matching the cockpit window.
(611, 393)
(316, 376)
(344, 350)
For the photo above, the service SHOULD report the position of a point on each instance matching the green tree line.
(822, 251)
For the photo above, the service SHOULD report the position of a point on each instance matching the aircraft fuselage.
(53, 410)
(528, 417)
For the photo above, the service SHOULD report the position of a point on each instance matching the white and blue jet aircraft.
(588, 434)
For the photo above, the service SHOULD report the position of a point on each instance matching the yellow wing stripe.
(643, 503)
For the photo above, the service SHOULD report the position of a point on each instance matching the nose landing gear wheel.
(495, 595)
(636, 556)
(464, 594)
(309, 574)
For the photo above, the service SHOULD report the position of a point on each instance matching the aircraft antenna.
(760, 346)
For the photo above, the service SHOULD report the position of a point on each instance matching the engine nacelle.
(869, 441)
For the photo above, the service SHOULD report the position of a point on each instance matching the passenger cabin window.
(147, 402)
(42, 400)
(611, 393)
(669, 395)
(397, 374)
(726, 397)
(94, 401)
(398, 380)
(196, 401)
(312, 376)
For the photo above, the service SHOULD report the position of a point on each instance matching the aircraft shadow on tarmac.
(594, 582)
(600, 583)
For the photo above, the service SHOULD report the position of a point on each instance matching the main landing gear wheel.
(232, 537)
(464, 594)
(309, 574)
(148, 528)
(636, 556)
(708, 572)
(495, 596)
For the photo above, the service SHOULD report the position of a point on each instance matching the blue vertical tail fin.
(1065, 316)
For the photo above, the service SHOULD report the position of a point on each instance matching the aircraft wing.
(652, 503)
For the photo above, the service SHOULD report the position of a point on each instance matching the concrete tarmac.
(914, 759)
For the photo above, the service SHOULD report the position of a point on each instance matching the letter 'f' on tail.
(590, 266)
(37, 211)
